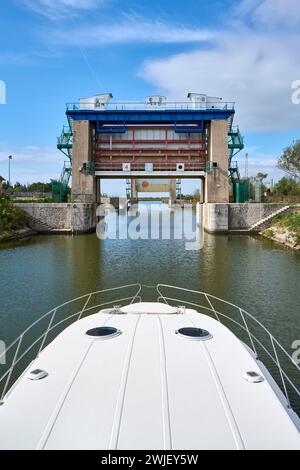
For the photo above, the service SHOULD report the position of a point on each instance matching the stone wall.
(243, 216)
(216, 217)
(235, 217)
(67, 218)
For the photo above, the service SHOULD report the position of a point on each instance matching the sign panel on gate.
(153, 185)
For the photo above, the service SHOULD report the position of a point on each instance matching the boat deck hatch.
(196, 334)
(103, 332)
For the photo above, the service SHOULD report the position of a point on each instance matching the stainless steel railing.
(140, 106)
(282, 367)
(41, 341)
(243, 321)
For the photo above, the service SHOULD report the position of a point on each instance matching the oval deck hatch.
(103, 332)
(196, 334)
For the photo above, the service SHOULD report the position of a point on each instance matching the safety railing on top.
(140, 106)
(89, 305)
(280, 364)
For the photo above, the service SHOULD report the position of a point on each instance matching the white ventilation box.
(213, 102)
(96, 102)
(156, 101)
(201, 101)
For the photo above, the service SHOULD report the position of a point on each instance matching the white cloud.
(259, 161)
(255, 70)
(130, 30)
(271, 13)
(31, 164)
(253, 65)
(57, 8)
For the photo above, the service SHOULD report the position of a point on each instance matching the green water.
(47, 270)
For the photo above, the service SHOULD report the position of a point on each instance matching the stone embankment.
(284, 236)
(15, 235)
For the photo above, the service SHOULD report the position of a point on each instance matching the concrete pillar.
(173, 188)
(202, 190)
(134, 193)
(98, 191)
(216, 217)
(216, 181)
(83, 184)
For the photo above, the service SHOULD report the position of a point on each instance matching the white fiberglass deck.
(147, 388)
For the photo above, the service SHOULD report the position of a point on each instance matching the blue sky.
(56, 51)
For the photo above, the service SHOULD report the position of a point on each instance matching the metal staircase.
(178, 189)
(235, 145)
(65, 145)
(128, 189)
(66, 173)
(65, 142)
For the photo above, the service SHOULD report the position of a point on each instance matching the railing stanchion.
(249, 334)
(280, 371)
(212, 308)
(46, 333)
(11, 368)
(137, 295)
(85, 306)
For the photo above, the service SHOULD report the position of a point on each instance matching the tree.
(287, 187)
(262, 176)
(40, 187)
(289, 161)
(18, 187)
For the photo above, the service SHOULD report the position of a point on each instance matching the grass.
(291, 220)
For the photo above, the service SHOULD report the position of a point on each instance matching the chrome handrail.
(244, 326)
(51, 326)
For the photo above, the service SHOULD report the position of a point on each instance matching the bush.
(11, 217)
(286, 187)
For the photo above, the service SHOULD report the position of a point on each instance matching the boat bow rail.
(264, 346)
(24, 349)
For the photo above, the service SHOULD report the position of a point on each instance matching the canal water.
(45, 271)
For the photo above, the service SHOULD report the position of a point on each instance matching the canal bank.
(60, 217)
(285, 229)
(7, 236)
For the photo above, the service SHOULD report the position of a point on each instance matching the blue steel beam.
(151, 116)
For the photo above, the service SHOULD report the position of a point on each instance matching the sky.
(57, 51)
